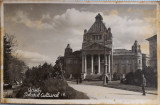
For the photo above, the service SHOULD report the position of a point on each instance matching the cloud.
(71, 24)
(114, 12)
(32, 58)
(125, 30)
(51, 34)
(129, 9)
(22, 17)
(75, 19)
(71, 18)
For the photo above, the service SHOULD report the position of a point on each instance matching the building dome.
(99, 17)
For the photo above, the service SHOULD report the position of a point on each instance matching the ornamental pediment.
(96, 46)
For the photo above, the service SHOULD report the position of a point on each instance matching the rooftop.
(152, 38)
(98, 25)
(122, 52)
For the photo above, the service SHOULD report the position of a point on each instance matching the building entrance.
(96, 69)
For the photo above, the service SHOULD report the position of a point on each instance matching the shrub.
(116, 76)
(53, 86)
(130, 78)
(136, 77)
(49, 80)
(151, 76)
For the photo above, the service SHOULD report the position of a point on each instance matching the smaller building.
(125, 61)
(72, 62)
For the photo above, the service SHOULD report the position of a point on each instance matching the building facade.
(97, 56)
(97, 50)
(72, 62)
(153, 51)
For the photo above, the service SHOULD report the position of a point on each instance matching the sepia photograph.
(97, 52)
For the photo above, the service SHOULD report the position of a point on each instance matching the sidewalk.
(100, 92)
(118, 85)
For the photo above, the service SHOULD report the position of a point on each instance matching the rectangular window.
(69, 61)
(100, 37)
(93, 37)
(139, 61)
(96, 37)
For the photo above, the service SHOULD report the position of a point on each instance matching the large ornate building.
(97, 56)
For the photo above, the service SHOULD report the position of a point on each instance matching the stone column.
(91, 64)
(85, 63)
(82, 63)
(99, 64)
(106, 68)
(109, 68)
(106, 57)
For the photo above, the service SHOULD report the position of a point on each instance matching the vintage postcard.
(80, 52)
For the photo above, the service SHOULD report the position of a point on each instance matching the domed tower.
(68, 50)
(96, 50)
(96, 33)
(137, 50)
(99, 17)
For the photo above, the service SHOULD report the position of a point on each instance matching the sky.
(43, 31)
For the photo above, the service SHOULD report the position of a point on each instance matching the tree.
(130, 78)
(151, 76)
(50, 80)
(7, 55)
(138, 77)
(13, 67)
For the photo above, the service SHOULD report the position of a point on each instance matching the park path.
(100, 92)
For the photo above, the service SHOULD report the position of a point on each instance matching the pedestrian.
(106, 79)
(77, 80)
(143, 84)
(80, 80)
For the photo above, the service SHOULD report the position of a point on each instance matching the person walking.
(143, 84)
(77, 80)
(106, 79)
(80, 81)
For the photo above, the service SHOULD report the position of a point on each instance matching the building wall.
(153, 51)
(138, 61)
(145, 60)
(73, 66)
(123, 64)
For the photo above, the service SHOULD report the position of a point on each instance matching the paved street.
(100, 92)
